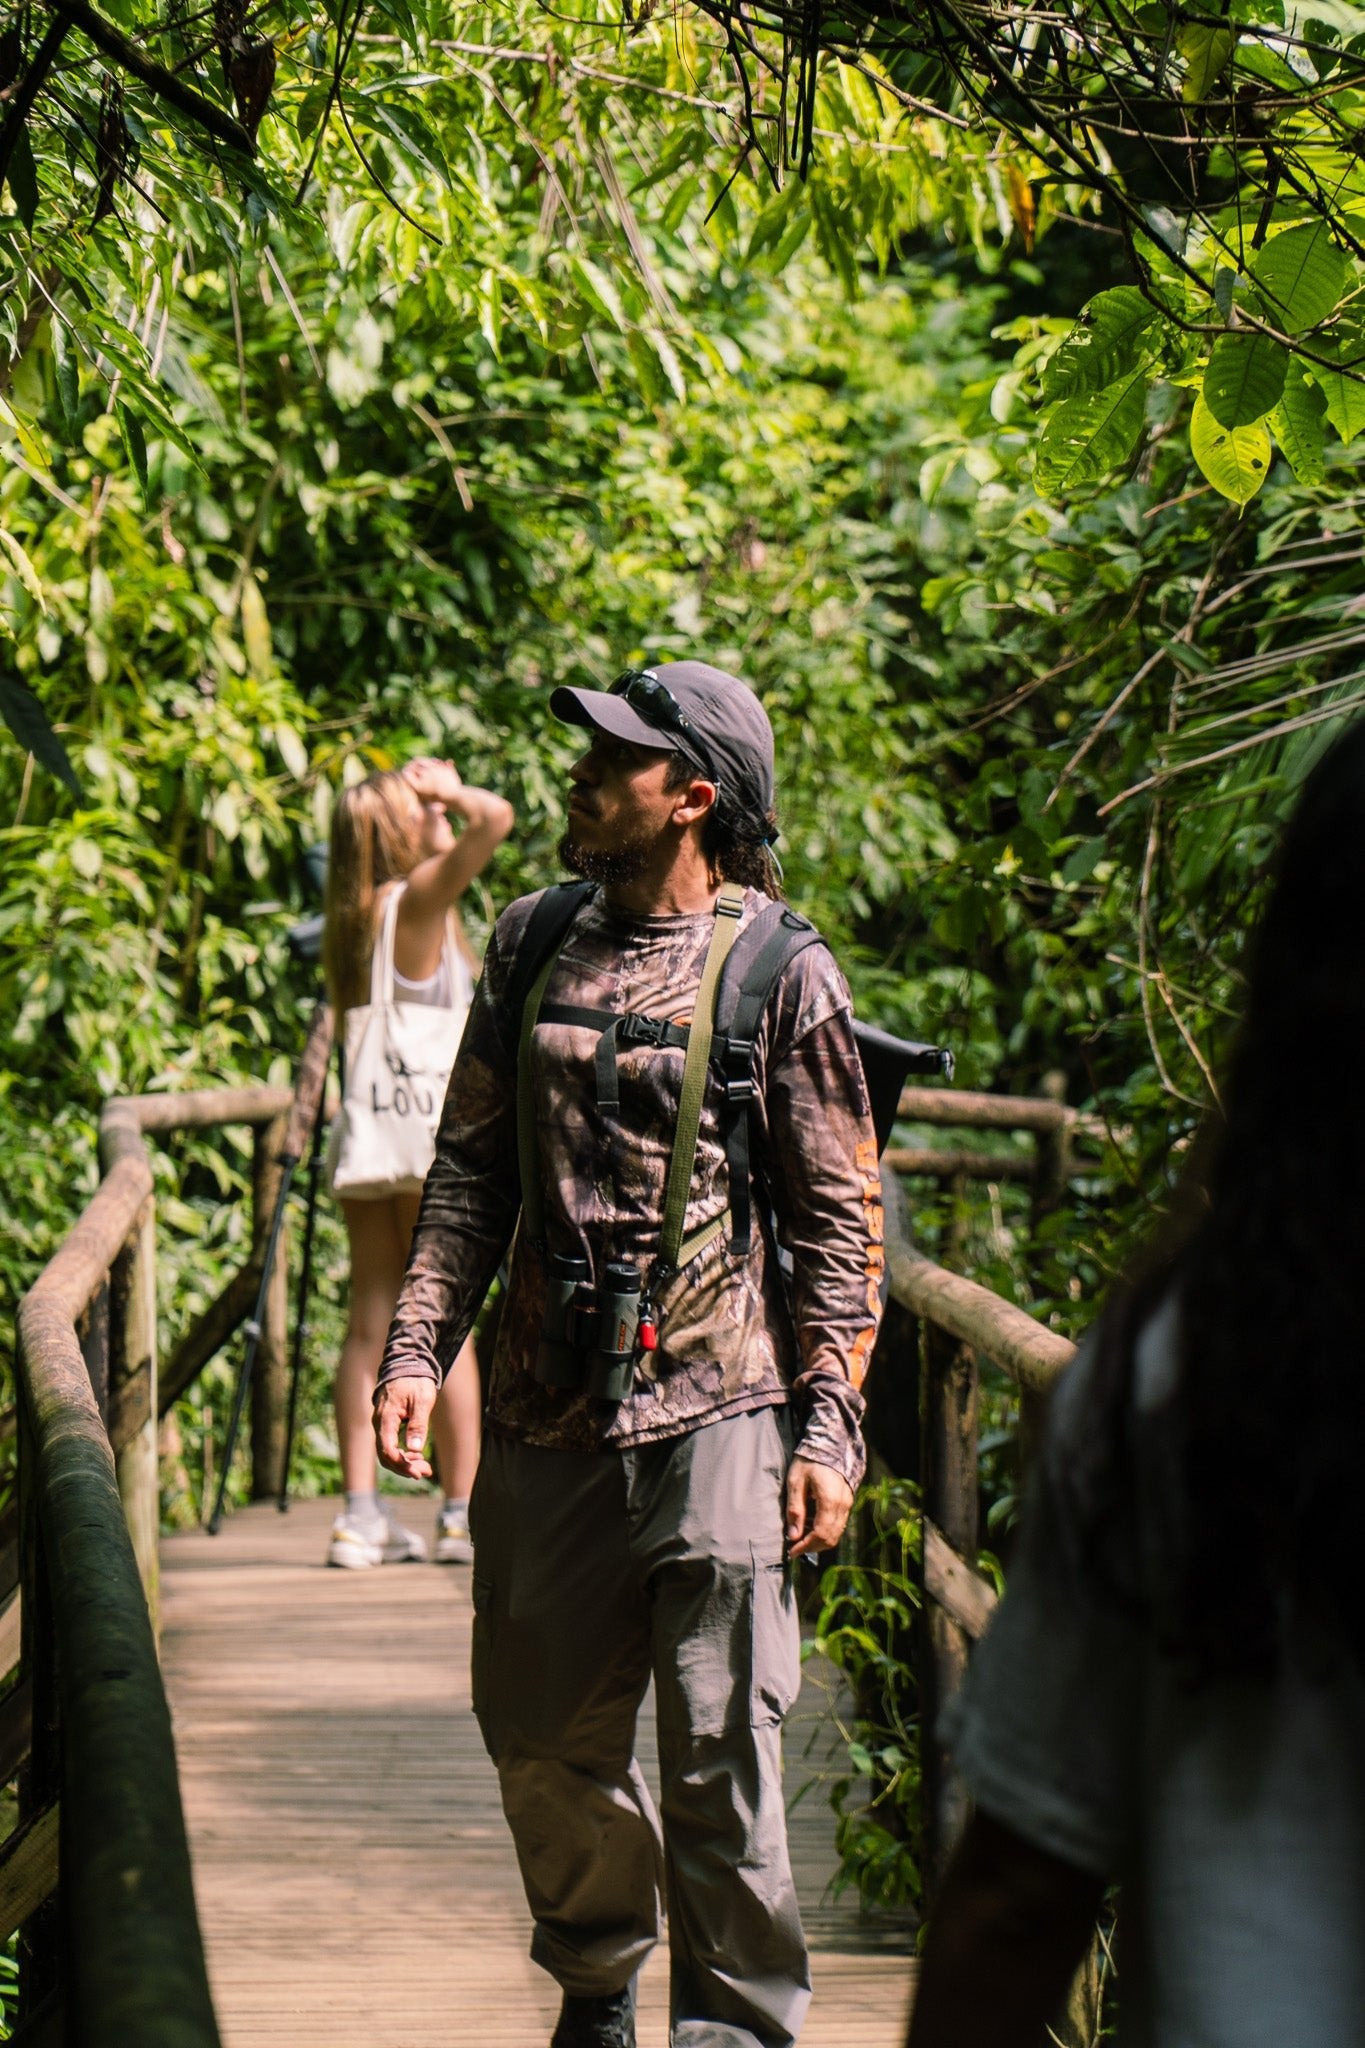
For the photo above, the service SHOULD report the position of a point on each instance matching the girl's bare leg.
(456, 1424)
(379, 1249)
(457, 1418)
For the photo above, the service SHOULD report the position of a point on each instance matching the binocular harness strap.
(616, 1030)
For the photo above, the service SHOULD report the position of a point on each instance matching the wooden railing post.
(270, 1377)
(951, 1493)
(132, 1398)
(1052, 1152)
(1052, 1155)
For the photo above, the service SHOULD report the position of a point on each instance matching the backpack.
(742, 971)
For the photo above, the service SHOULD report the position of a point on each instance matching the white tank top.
(432, 988)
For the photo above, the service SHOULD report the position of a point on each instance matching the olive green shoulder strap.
(674, 1253)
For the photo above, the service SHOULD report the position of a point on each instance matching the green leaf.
(687, 145)
(68, 376)
(23, 569)
(1083, 860)
(672, 368)
(310, 110)
(599, 290)
(490, 311)
(34, 450)
(1088, 436)
(1105, 344)
(413, 136)
(680, 202)
(1302, 274)
(1342, 387)
(1244, 378)
(29, 723)
(1297, 424)
(1234, 459)
(1207, 50)
(256, 629)
(23, 179)
(293, 752)
(134, 444)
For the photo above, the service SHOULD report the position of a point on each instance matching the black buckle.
(633, 1029)
(737, 1061)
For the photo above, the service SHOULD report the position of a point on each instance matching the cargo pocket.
(775, 1644)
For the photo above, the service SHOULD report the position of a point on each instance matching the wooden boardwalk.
(356, 1882)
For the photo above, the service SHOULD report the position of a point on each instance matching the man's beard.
(617, 864)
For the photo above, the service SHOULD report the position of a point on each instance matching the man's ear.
(694, 801)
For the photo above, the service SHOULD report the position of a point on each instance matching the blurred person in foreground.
(1171, 1696)
(392, 838)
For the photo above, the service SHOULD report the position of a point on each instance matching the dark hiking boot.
(597, 2022)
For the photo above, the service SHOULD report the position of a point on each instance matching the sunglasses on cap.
(656, 704)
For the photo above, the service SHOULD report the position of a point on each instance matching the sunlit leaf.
(1207, 49)
(1244, 378)
(1343, 387)
(23, 568)
(1234, 459)
(1298, 426)
(1302, 273)
(1111, 338)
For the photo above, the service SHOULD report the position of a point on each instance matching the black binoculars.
(587, 1338)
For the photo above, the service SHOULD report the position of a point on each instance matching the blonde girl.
(394, 831)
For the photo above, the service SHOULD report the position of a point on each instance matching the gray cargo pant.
(593, 1572)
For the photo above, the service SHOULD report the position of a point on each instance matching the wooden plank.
(16, 1728)
(28, 1869)
(953, 1583)
(934, 1164)
(206, 1337)
(355, 1877)
(11, 1619)
(1028, 1351)
(968, 1109)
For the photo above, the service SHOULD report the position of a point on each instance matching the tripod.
(305, 1131)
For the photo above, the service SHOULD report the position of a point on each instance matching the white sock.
(452, 1505)
(364, 1507)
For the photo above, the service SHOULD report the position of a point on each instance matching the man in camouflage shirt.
(654, 1536)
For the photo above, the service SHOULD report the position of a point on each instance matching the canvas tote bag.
(398, 1061)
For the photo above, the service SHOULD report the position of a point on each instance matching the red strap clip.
(649, 1333)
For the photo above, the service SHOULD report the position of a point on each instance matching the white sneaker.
(401, 1545)
(358, 1545)
(453, 1542)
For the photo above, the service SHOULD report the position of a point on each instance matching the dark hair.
(1257, 1456)
(736, 846)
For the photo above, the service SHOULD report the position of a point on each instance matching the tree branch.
(124, 52)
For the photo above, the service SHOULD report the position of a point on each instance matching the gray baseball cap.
(693, 709)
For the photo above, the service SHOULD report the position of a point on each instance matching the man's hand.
(818, 1501)
(402, 1413)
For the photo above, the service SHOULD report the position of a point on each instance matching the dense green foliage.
(297, 485)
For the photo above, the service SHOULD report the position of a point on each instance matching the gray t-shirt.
(1233, 1814)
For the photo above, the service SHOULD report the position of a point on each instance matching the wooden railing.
(950, 1324)
(97, 1874)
